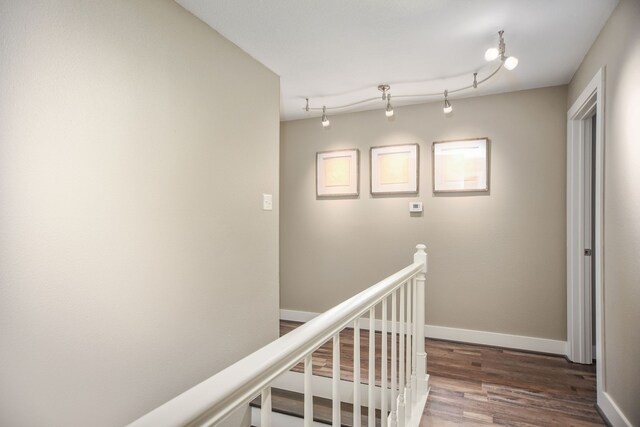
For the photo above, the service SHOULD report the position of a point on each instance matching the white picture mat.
(461, 165)
(394, 169)
(337, 173)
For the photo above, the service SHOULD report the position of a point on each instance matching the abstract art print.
(338, 173)
(460, 166)
(394, 169)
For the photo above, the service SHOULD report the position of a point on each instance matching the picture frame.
(461, 165)
(394, 169)
(338, 173)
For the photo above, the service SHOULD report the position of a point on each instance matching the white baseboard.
(612, 411)
(297, 316)
(519, 342)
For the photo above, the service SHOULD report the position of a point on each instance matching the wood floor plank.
(473, 385)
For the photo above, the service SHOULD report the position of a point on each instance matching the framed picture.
(394, 169)
(338, 173)
(461, 165)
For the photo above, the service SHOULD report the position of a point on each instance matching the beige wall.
(496, 262)
(135, 143)
(618, 49)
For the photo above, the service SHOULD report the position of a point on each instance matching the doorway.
(590, 125)
(585, 149)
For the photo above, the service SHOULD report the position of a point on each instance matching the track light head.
(325, 120)
(510, 63)
(495, 52)
(389, 110)
(447, 105)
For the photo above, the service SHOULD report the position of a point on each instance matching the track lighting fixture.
(386, 96)
(325, 120)
(508, 62)
(447, 105)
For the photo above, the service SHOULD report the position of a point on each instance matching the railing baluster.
(414, 348)
(383, 367)
(356, 373)
(336, 380)
(394, 360)
(308, 392)
(401, 359)
(408, 328)
(372, 368)
(265, 408)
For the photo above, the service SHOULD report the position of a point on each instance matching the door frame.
(579, 329)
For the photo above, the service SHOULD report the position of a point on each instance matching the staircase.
(287, 396)
(288, 410)
(395, 308)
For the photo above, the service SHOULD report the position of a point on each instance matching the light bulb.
(491, 54)
(389, 113)
(510, 63)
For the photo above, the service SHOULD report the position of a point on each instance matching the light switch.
(267, 202)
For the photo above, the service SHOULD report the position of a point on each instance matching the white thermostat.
(415, 206)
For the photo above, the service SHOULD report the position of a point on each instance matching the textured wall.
(135, 143)
(496, 261)
(618, 49)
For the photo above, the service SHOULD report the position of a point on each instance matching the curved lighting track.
(491, 54)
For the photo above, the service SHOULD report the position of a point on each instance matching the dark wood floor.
(482, 385)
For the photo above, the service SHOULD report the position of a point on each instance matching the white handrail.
(218, 396)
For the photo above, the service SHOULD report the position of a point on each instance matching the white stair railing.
(214, 399)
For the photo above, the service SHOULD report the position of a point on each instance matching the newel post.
(421, 362)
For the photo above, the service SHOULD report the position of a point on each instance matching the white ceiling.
(337, 51)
